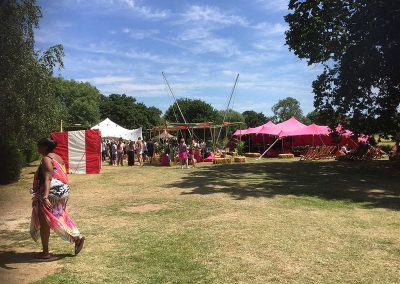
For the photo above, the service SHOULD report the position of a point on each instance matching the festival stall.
(110, 129)
(80, 150)
(292, 133)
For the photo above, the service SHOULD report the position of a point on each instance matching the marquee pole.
(265, 152)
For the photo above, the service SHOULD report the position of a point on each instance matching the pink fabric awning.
(240, 132)
(312, 129)
(254, 130)
(283, 128)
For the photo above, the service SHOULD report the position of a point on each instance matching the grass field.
(272, 221)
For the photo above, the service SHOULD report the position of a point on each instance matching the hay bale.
(239, 159)
(222, 161)
(253, 155)
(285, 156)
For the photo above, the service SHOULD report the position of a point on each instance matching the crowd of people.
(118, 150)
(146, 151)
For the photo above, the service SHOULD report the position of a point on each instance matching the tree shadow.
(13, 257)
(372, 183)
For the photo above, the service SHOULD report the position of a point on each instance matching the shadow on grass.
(374, 183)
(12, 257)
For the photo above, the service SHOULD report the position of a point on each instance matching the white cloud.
(274, 5)
(268, 28)
(139, 34)
(107, 80)
(207, 14)
(200, 40)
(136, 7)
(270, 45)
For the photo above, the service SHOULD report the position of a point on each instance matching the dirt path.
(17, 264)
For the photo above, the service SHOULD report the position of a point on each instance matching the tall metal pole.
(229, 102)
(173, 95)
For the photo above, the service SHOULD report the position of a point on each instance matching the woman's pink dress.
(57, 218)
(183, 152)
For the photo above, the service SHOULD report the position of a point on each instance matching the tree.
(81, 100)
(230, 116)
(314, 117)
(286, 108)
(358, 45)
(193, 110)
(254, 119)
(28, 108)
(124, 110)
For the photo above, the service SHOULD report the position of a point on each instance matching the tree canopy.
(286, 108)
(254, 119)
(81, 101)
(358, 44)
(230, 116)
(127, 112)
(28, 108)
(193, 110)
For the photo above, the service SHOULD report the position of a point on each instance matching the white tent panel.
(77, 152)
(110, 129)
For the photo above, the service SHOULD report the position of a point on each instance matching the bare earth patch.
(19, 266)
(143, 208)
(14, 225)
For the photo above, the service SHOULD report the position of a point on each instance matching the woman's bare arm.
(47, 171)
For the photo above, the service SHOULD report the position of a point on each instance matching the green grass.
(272, 221)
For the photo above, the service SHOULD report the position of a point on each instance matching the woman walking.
(50, 196)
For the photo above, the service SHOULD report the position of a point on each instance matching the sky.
(122, 46)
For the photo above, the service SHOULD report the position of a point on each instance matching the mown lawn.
(261, 222)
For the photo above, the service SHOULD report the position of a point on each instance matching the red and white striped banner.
(80, 150)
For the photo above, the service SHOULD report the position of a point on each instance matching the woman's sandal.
(79, 247)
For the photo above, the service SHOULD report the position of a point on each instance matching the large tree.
(254, 119)
(358, 45)
(230, 116)
(286, 108)
(193, 110)
(81, 100)
(127, 112)
(28, 108)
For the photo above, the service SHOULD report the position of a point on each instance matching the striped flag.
(80, 150)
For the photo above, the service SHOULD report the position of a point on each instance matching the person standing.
(120, 152)
(50, 195)
(103, 150)
(131, 153)
(114, 150)
(183, 153)
(144, 150)
(150, 150)
(139, 151)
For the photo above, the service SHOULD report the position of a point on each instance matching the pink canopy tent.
(301, 134)
(251, 130)
(240, 132)
(312, 129)
(282, 129)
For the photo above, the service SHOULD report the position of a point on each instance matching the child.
(191, 157)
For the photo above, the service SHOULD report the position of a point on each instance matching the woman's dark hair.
(50, 144)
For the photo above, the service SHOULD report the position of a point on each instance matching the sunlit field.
(271, 221)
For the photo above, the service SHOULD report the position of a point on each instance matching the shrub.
(30, 153)
(11, 162)
(240, 147)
